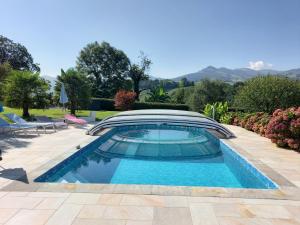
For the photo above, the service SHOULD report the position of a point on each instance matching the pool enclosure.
(161, 116)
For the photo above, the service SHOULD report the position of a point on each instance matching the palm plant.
(158, 94)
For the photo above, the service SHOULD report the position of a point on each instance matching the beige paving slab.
(30, 217)
(66, 213)
(243, 221)
(80, 221)
(232, 210)
(92, 211)
(174, 216)
(284, 222)
(203, 214)
(83, 198)
(110, 199)
(128, 213)
(269, 211)
(132, 222)
(50, 203)
(2, 193)
(142, 200)
(48, 194)
(6, 214)
(19, 202)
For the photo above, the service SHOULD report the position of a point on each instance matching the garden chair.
(56, 123)
(12, 128)
(20, 121)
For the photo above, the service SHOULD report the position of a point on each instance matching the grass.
(56, 113)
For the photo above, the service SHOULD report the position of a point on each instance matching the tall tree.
(16, 55)
(5, 70)
(25, 89)
(106, 66)
(138, 72)
(77, 86)
(209, 91)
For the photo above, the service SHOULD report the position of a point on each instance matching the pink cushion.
(75, 119)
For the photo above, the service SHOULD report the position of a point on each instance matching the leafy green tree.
(158, 94)
(106, 66)
(178, 96)
(137, 73)
(16, 55)
(26, 89)
(209, 91)
(5, 70)
(78, 89)
(267, 93)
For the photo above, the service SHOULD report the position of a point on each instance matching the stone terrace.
(23, 156)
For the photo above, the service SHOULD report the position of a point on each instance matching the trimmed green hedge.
(108, 104)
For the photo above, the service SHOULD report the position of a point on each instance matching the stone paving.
(23, 156)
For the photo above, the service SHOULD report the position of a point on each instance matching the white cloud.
(259, 65)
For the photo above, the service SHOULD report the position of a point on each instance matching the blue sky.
(179, 36)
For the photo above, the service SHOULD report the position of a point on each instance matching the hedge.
(108, 104)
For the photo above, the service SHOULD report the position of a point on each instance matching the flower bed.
(282, 127)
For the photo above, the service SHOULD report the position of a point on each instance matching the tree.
(5, 70)
(209, 91)
(105, 66)
(16, 55)
(78, 88)
(158, 94)
(267, 93)
(137, 73)
(25, 89)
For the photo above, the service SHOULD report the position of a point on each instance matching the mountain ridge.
(235, 75)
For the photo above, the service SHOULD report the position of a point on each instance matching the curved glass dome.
(161, 116)
(159, 142)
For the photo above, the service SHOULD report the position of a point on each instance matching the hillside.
(234, 75)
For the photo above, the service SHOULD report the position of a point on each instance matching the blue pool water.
(159, 155)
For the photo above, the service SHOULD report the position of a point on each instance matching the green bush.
(267, 93)
(108, 104)
(158, 105)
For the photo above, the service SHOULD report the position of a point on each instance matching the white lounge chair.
(20, 121)
(12, 128)
(46, 119)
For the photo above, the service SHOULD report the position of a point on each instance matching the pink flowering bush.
(284, 128)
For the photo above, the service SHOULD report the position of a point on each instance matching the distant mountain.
(234, 75)
(52, 81)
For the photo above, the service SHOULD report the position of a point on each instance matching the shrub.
(158, 105)
(124, 99)
(108, 104)
(267, 93)
(284, 128)
(219, 109)
(256, 122)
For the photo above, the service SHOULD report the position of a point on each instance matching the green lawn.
(56, 113)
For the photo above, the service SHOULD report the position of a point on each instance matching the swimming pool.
(158, 154)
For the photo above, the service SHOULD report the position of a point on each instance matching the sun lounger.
(12, 128)
(74, 119)
(46, 119)
(20, 121)
(90, 118)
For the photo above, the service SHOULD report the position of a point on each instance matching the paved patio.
(25, 156)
